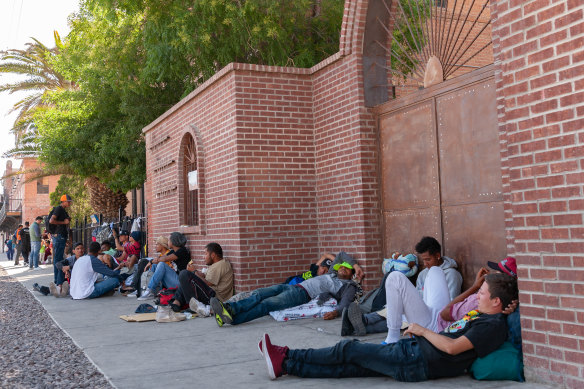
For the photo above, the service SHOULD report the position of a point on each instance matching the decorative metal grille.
(432, 41)
(191, 195)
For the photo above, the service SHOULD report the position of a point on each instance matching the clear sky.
(20, 20)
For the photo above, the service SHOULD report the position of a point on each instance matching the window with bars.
(191, 182)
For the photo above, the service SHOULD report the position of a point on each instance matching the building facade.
(281, 164)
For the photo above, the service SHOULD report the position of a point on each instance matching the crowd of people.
(446, 330)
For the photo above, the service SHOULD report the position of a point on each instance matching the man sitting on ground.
(196, 288)
(129, 245)
(427, 355)
(433, 294)
(282, 296)
(85, 273)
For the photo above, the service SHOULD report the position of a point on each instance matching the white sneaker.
(201, 309)
(133, 294)
(146, 295)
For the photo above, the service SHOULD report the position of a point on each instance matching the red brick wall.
(35, 204)
(538, 50)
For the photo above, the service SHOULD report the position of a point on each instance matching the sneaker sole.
(271, 372)
(221, 315)
(354, 314)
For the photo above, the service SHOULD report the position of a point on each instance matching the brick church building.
(281, 164)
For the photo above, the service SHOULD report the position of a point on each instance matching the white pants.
(403, 299)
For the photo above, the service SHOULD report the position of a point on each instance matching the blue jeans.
(164, 274)
(265, 300)
(9, 253)
(58, 252)
(351, 358)
(374, 323)
(33, 259)
(101, 288)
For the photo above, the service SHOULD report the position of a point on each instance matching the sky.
(20, 20)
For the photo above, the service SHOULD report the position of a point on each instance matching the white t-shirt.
(82, 278)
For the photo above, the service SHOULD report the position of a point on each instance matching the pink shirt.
(457, 311)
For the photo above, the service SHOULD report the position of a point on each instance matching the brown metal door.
(441, 171)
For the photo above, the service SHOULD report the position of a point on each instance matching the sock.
(392, 336)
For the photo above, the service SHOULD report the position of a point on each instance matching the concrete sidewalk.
(196, 352)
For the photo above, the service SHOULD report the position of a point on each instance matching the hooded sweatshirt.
(453, 277)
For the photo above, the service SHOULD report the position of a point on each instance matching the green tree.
(74, 187)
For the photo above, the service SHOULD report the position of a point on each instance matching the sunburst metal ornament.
(431, 40)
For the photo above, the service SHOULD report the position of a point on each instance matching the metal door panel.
(409, 158)
(470, 160)
(473, 235)
(403, 229)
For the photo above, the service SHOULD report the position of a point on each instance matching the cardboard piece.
(139, 317)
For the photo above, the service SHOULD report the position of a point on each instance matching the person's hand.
(191, 267)
(511, 307)
(66, 221)
(200, 274)
(155, 261)
(395, 255)
(415, 329)
(480, 277)
(359, 273)
(148, 266)
(114, 233)
(331, 315)
(67, 274)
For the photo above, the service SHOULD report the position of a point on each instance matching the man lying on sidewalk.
(85, 274)
(426, 355)
(282, 296)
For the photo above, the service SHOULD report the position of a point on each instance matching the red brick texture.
(287, 163)
(538, 50)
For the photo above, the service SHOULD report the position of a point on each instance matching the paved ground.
(196, 351)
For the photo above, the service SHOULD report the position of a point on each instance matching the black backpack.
(51, 228)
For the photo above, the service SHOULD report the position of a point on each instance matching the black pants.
(190, 285)
(136, 282)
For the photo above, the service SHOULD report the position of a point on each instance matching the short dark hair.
(77, 244)
(214, 248)
(429, 244)
(26, 224)
(107, 242)
(503, 286)
(38, 218)
(94, 248)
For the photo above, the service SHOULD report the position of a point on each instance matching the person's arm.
(479, 279)
(202, 276)
(99, 267)
(324, 257)
(54, 220)
(347, 297)
(443, 343)
(165, 258)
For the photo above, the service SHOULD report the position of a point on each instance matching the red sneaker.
(261, 348)
(275, 356)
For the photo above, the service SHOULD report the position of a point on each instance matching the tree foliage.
(131, 60)
(74, 187)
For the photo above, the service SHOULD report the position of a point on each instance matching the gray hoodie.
(453, 277)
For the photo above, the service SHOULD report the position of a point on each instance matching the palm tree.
(40, 77)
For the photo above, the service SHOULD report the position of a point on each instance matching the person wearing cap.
(355, 323)
(319, 268)
(167, 276)
(129, 245)
(282, 296)
(423, 356)
(61, 220)
(162, 249)
(35, 242)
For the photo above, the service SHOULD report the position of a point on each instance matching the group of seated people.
(448, 330)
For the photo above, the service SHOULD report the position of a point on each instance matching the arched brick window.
(190, 175)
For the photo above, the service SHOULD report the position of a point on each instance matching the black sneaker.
(356, 319)
(45, 290)
(346, 326)
(222, 314)
(36, 287)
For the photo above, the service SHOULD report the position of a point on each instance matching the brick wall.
(538, 51)
(35, 204)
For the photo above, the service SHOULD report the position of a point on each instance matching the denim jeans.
(164, 274)
(351, 358)
(264, 300)
(58, 252)
(9, 253)
(33, 259)
(374, 323)
(101, 288)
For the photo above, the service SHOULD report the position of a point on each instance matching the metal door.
(441, 171)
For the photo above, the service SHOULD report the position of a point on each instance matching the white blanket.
(308, 310)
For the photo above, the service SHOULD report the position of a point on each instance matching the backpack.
(51, 228)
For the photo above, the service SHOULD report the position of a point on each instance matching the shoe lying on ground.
(65, 289)
(201, 309)
(36, 287)
(356, 319)
(222, 314)
(146, 295)
(275, 356)
(133, 294)
(346, 326)
(54, 290)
